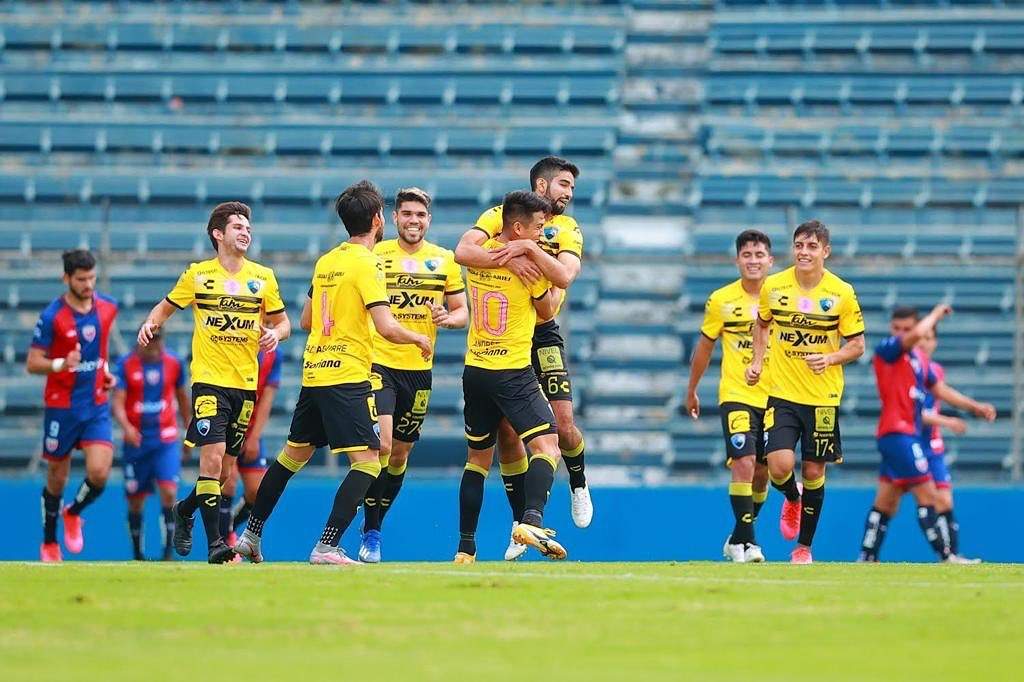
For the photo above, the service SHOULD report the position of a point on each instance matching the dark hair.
(357, 205)
(412, 194)
(220, 215)
(812, 228)
(548, 167)
(77, 259)
(752, 236)
(520, 205)
(902, 312)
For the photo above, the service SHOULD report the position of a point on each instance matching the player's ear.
(827, 251)
(542, 186)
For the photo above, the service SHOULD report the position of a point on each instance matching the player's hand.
(439, 315)
(517, 247)
(957, 426)
(818, 362)
(986, 411)
(132, 436)
(425, 346)
(73, 359)
(693, 405)
(146, 332)
(525, 269)
(942, 310)
(268, 339)
(109, 380)
(250, 449)
(753, 374)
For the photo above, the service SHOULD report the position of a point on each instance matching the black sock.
(208, 497)
(539, 478)
(788, 488)
(515, 490)
(759, 498)
(135, 532)
(928, 520)
(953, 531)
(810, 511)
(187, 505)
(742, 501)
(224, 515)
(167, 526)
(346, 501)
(875, 526)
(392, 486)
(371, 504)
(575, 465)
(86, 495)
(271, 487)
(471, 500)
(241, 513)
(51, 508)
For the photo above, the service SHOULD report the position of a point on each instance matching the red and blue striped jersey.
(149, 394)
(933, 434)
(903, 379)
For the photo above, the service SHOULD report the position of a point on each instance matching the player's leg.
(228, 486)
(783, 429)
(812, 500)
(99, 457)
(136, 505)
(513, 462)
(386, 390)
(394, 475)
(876, 525)
(479, 456)
(741, 428)
(364, 467)
(168, 472)
(139, 476)
(251, 472)
(759, 486)
(925, 495)
(820, 444)
(571, 447)
(57, 472)
(544, 456)
(944, 505)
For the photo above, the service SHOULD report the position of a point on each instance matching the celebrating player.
(232, 298)
(426, 292)
(805, 309)
(149, 396)
(69, 346)
(499, 381)
(554, 179)
(731, 311)
(336, 405)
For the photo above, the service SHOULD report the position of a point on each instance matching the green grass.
(500, 621)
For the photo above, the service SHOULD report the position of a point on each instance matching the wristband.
(58, 364)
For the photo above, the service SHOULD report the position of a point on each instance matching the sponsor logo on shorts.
(739, 422)
(738, 440)
(825, 419)
(420, 401)
(550, 359)
(205, 406)
(203, 426)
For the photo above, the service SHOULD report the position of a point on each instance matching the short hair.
(903, 312)
(77, 259)
(550, 166)
(412, 194)
(357, 205)
(220, 215)
(756, 236)
(812, 228)
(520, 205)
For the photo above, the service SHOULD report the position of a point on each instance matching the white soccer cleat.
(957, 559)
(736, 553)
(582, 507)
(514, 549)
(753, 554)
(248, 546)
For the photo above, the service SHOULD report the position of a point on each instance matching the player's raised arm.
(558, 272)
(470, 252)
(943, 391)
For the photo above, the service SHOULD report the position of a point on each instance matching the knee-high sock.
(346, 501)
(135, 533)
(224, 515)
(787, 486)
(875, 527)
(394, 476)
(371, 503)
(929, 522)
(86, 495)
(810, 512)
(471, 500)
(208, 497)
(742, 500)
(759, 497)
(953, 531)
(539, 478)
(575, 464)
(513, 475)
(167, 527)
(51, 508)
(271, 487)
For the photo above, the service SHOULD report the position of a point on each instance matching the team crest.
(826, 304)
(254, 285)
(550, 232)
(432, 264)
(89, 333)
(738, 440)
(152, 377)
(51, 444)
(203, 426)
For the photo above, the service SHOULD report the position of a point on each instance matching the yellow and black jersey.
(501, 331)
(807, 322)
(348, 280)
(730, 313)
(413, 280)
(561, 234)
(228, 309)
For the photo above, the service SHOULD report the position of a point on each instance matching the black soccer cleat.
(220, 553)
(182, 539)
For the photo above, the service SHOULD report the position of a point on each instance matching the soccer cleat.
(736, 553)
(49, 553)
(801, 555)
(789, 520)
(514, 549)
(220, 553)
(325, 554)
(957, 559)
(182, 539)
(249, 546)
(369, 548)
(463, 559)
(582, 507)
(73, 539)
(753, 554)
(232, 539)
(541, 539)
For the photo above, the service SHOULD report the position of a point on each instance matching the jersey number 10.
(482, 318)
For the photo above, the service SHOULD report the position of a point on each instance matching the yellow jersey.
(413, 280)
(501, 331)
(228, 310)
(807, 322)
(348, 280)
(730, 313)
(561, 234)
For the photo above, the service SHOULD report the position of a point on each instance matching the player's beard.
(80, 295)
(411, 241)
(556, 208)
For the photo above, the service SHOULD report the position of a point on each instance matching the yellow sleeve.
(572, 243)
(453, 283)
(371, 283)
(764, 304)
(272, 302)
(184, 291)
(539, 288)
(851, 319)
(490, 222)
(712, 326)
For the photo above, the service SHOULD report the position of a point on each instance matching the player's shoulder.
(52, 308)
(434, 250)
(386, 247)
(202, 267)
(104, 299)
(259, 269)
(726, 291)
(782, 278)
(834, 282)
(566, 222)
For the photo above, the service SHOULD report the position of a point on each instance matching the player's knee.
(480, 458)
(97, 475)
(398, 459)
(743, 469)
(136, 503)
(812, 471)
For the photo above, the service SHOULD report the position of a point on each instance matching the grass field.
(499, 621)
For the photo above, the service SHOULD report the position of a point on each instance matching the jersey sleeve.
(931, 378)
(851, 319)
(272, 298)
(490, 222)
(274, 377)
(764, 304)
(184, 291)
(371, 283)
(890, 349)
(572, 243)
(712, 326)
(122, 380)
(539, 288)
(453, 283)
(42, 335)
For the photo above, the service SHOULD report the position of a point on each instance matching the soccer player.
(426, 291)
(499, 380)
(252, 463)
(149, 396)
(730, 311)
(69, 346)
(336, 406)
(805, 309)
(554, 179)
(238, 311)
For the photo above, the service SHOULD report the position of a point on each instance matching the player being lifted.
(499, 381)
(805, 309)
(231, 298)
(336, 405)
(69, 346)
(425, 289)
(554, 179)
(730, 312)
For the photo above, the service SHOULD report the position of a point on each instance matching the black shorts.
(550, 363)
(743, 428)
(815, 428)
(405, 394)
(491, 394)
(220, 415)
(342, 417)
